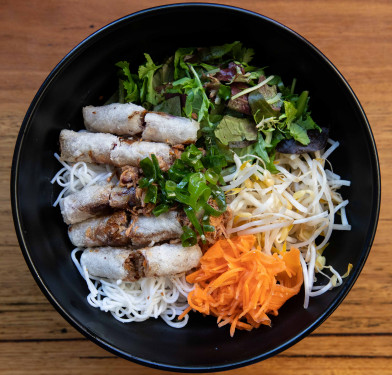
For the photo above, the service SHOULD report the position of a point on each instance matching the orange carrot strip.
(186, 311)
(240, 285)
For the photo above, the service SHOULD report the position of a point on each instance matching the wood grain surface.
(355, 35)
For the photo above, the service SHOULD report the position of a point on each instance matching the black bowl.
(87, 75)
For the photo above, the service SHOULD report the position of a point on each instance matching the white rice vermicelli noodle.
(140, 300)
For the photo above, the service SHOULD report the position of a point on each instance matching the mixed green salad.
(238, 106)
(240, 109)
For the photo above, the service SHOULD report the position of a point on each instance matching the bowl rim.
(344, 289)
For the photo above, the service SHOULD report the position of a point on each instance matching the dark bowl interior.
(87, 75)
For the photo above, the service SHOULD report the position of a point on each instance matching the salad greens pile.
(239, 108)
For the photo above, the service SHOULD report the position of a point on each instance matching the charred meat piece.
(129, 176)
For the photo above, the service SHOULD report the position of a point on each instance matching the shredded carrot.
(240, 285)
(186, 311)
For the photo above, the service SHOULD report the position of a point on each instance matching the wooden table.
(355, 34)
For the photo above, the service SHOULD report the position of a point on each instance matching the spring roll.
(96, 200)
(119, 230)
(131, 265)
(147, 229)
(87, 147)
(130, 153)
(101, 231)
(116, 118)
(105, 148)
(162, 127)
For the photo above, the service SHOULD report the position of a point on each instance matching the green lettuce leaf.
(290, 112)
(259, 106)
(171, 106)
(164, 74)
(277, 136)
(297, 128)
(197, 102)
(180, 66)
(260, 149)
(255, 74)
(299, 133)
(146, 74)
(233, 129)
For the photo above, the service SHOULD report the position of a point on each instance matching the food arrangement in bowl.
(221, 171)
(207, 186)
